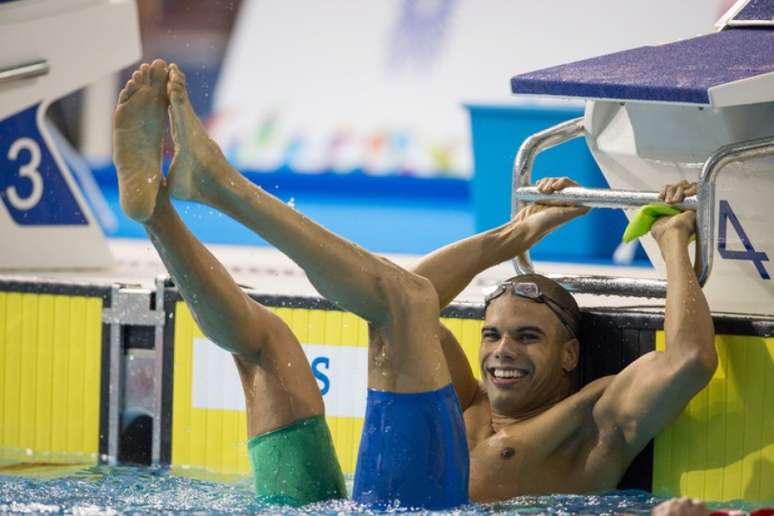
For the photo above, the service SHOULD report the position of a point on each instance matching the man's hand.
(682, 225)
(548, 215)
(677, 192)
(680, 507)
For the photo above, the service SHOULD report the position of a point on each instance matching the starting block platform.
(728, 68)
(701, 110)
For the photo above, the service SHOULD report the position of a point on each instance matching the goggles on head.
(529, 290)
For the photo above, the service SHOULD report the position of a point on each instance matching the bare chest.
(533, 457)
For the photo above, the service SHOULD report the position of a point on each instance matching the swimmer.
(290, 447)
(530, 429)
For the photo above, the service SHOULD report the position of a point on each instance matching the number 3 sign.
(32, 186)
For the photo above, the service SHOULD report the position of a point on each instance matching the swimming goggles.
(529, 290)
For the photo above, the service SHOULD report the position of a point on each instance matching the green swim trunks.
(296, 465)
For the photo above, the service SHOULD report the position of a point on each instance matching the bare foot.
(198, 168)
(138, 130)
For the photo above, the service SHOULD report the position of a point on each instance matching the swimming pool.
(105, 489)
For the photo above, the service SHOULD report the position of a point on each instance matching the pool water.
(126, 489)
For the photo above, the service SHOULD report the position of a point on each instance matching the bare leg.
(276, 378)
(139, 123)
(278, 384)
(402, 306)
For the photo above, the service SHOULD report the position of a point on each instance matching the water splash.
(122, 489)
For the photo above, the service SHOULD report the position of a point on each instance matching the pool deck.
(268, 271)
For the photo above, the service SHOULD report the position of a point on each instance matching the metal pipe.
(538, 142)
(158, 376)
(522, 169)
(25, 71)
(705, 215)
(115, 383)
(599, 197)
(612, 286)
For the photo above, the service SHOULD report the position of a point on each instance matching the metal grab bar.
(703, 203)
(25, 71)
(705, 213)
(599, 197)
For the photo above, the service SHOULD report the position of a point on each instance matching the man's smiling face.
(526, 356)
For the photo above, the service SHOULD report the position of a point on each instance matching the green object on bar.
(296, 465)
(644, 219)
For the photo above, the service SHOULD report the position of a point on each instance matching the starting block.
(659, 114)
(49, 48)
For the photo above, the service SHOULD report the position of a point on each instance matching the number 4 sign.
(750, 253)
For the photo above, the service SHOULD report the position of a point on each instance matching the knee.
(413, 294)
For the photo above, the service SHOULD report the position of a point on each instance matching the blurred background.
(389, 122)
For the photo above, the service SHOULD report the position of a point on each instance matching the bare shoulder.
(478, 417)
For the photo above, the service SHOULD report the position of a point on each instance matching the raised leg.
(280, 391)
(413, 448)
(399, 304)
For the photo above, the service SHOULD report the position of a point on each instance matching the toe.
(130, 89)
(145, 73)
(158, 72)
(177, 72)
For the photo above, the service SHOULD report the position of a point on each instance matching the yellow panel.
(59, 377)
(231, 447)
(241, 439)
(286, 314)
(29, 356)
(354, 331)
(181, 391)
(333, 327)
(300, 324)
(50, 349)
(346, 439)
(92, 362)
(214, 439)
(316, 325)
(44, 385)
(3, 345)
(721, 446)
(75, 378)
(767, 476)
(468, 334)
(11, 390)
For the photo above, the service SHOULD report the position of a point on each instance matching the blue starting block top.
(756, 10)
(704, 70)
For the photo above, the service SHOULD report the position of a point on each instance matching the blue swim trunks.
(413, 452)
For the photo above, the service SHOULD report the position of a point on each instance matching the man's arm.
(451, 268)
(648, 394)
